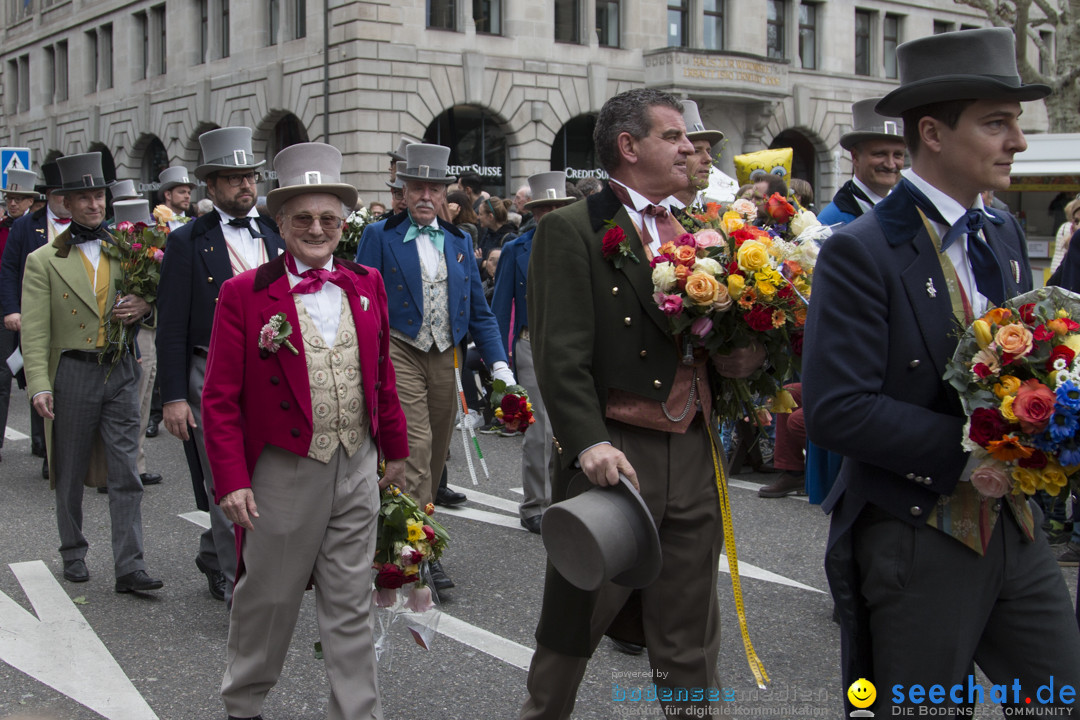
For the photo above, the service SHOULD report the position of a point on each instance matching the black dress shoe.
(215, 579)
(37, 449)
(150, 478)
(137, 581)
(151, 429)
(45, 469)
(103, 490)
(532, 524)
(75, 571)
(439, 578)
(628, 648)
(448, 498)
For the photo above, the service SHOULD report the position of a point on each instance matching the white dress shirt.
(874, 197)
(429, 254)
(638, 216)
(240, 239)
(324, 305)
(55, 228)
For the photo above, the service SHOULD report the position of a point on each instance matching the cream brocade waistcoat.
(337, 394)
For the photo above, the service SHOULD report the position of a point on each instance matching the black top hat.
(962, 65)
(51, 171)
(868, 125)
(81, 172)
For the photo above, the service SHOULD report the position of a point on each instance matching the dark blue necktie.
(989, 277)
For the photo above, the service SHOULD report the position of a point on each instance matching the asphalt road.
(171, 646)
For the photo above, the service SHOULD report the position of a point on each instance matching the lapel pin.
(363, 303)
(1016, 271)
(460, 257)
(930, 289)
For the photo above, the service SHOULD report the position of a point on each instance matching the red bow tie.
(62, 221)
(313, 279)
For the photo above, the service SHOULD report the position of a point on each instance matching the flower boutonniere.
(615, 247)
(276, 333)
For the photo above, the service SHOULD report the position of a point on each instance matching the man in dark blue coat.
(930, 576)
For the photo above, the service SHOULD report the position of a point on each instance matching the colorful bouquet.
(406, 540)
(351, 232)
(1018, 376)
(512, 406)
(730, 284)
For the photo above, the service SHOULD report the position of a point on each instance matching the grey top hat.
(695, 129)
(548, 188)
(399, 154)
(226, 148)
(426, 163)
(309, 168)
(124, 190)
(962, 65)
(602, 533)
(81, 172)
(132, 211)
(398, 182)
(174, 177)
(21, 182)
(868, 125)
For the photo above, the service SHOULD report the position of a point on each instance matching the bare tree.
(1061, 62)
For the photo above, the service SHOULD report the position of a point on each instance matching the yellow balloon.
(862, 693)
(774, 162)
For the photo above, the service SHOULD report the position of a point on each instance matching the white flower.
(663, 276)
(746, 208)
(707, 265)
(814, 234)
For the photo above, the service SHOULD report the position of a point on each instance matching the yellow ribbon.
(756, 666)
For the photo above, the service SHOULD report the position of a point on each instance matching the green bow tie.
(434, 233)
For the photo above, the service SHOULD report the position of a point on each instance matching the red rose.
(610, 245)
(779, 209)
(1033, 406)
(796, 343)
(759, 318)
(987, 424)
(1061, 351)
(390, 577)
(511, 404)
(785, 291)
(982, 370)
(429, 533)
(1037, 461)
(742, 235)
(1043, 333)
(1027, 313)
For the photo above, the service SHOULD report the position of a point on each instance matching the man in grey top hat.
(876, 144)
(932, 570)
(698, 165)
(80, 383)
(199, 257)
(176, 188)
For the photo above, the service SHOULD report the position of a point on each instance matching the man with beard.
(876, 144)
(199, 257)
(176, 189)
(700, 163)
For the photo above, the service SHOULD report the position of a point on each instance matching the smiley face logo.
(862, 693)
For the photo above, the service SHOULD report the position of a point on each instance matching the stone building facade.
(511, 86)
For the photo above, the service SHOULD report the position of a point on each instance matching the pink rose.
(136, 246)
(126, 227)
(385, 597)
(669, 304)
(419, 599)
(702, 326)
(685, 239)
(990, 479)
(708, 238)
(159, 255)
(1033, 406)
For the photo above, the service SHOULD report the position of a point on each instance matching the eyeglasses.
(17, 198)
(303, 221)
(238, 180)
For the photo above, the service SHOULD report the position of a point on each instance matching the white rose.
(707, 265)
(801, 222)
(746, 208)
(663, 276)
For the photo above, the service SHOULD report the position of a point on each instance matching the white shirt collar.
(434, 222)
(639, 200)
(949, 208)
(226, 217)
(302, 267)
(874, 197)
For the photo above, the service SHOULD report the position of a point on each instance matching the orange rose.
(681, 274)
(800, 317)
(668, 248)
(686, 255)
(1058, 326)
(1014, 339)
(998, 315)
(702, 288)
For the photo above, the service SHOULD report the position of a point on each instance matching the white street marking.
(491, 501)
(199, 517)
(62, 651)
(484, 516)
(746, 570)
(498, 647)
(13, 434)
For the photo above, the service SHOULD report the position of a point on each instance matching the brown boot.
(787, 484)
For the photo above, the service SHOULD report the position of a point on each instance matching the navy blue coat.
(510, 283)
(383, 247)
(26, 235)
(196, 264)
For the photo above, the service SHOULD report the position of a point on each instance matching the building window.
(24, 83)
(942, 26)
(224, 28)
(607, 22)
(157, 15)
(965, 26)
(19, 10)
(891, 33)
(93, 60)
(1046, 59)
(863, 21)
(204, 30)
(487, 15)
(442, 14)
(808, 35)
(11, 79)
(300, 19)
(61, 71)
(142, 25)
(677, 13)
(106, 33)
(713, 25)
(567, 21)
(50, 73)
(775, 29)
(273, 21)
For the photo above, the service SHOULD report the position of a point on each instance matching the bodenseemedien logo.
(862, 695)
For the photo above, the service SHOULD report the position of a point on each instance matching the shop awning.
(1051, 163)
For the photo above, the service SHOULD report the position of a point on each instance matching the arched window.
(477, 144)
(803, 155)
(573, 149)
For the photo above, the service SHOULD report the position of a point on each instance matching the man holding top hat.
(623, 404)
(176, 188)
(295, 429)
(876, 144)
(199, 257)
(81, 385)
(509, 302)
(929, 575)
(434, 293)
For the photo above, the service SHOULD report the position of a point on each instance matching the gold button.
(65, 296)
(657, 384)
(627, 321)
(916, 510)
(210, 279)
(644, 353)
(215, 301)
(615, 290)
(74, 311)
(82, 326)
(87, 341)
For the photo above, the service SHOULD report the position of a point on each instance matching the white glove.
(501, 371)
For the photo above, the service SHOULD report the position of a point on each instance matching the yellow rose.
(983, 336)
(1026, 480)
(1006, 385)
(701, 288)
(753, 256)
(163, 214)
(731, 222)
(1054, 479)
(1006, 408)
(767, 289)
(735, 285)
(1073, 343)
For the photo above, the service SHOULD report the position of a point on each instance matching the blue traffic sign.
(13, 158)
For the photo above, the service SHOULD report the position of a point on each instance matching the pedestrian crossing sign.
(13, 158)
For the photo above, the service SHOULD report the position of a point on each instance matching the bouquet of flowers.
(1018, 376)
(351, 232)
(731, 284)
(406, 540)
(512, 406)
